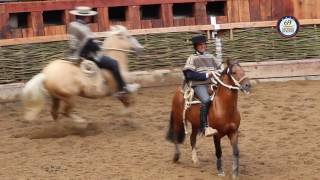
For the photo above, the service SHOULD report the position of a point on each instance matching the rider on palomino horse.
(197, 72)
(83, 45)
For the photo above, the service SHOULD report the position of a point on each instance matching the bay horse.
(63, 80)
(223, 115)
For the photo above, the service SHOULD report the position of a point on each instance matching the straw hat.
(83, 11)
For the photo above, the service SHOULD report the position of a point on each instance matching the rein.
(117, 49)
(236, 82)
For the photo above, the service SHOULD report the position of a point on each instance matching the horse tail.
(171, 134)
(33, 96)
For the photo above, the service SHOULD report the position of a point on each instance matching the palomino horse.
(63, 80)
(223, 115)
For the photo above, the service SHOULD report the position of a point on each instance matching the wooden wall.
(266, 10)
(235, 11)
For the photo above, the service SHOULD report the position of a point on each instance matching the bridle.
(236, 86)
(118, 49)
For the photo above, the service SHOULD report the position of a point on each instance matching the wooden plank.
(288, 7)
(282, 8)
(200, 13)
(16, 33)
(156, 23)
(265, 10)
(244, 10)
(179, 22)
(103, 19)
(54, 30)
(37, 23)
(27, 32)
(146, 24)
(123, 23)
(222, 19)
(133, 17)
(233, 11)
(190, 21)
(166, 15)
(318, 12)
(3, 21)
(5, 28)
(297, 10)
(276, 69)
(68, 4)
(309, 11)
(255, 10)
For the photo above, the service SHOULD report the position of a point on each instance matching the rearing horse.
(223, 115)
(62, 80)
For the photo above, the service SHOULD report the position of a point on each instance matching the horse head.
(119, 39)
(237, 75)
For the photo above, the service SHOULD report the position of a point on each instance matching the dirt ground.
(279, 139)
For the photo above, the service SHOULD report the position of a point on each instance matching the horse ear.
(228, 61)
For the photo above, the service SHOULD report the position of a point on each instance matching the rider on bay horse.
(197, 72)
(83, 45)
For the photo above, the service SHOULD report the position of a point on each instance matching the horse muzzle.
(246, 87)
(138, 50)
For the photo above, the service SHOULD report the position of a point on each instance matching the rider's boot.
(124, 97)
(124, 94)
(208, 131)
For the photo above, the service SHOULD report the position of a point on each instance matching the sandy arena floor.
(279, 139)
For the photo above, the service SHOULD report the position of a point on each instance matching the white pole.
(218, 43)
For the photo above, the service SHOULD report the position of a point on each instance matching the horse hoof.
(176, 158)
(235, 176)
(221, 174)
(80, 126)
(79, 123)
(126, 112)
(195, 161)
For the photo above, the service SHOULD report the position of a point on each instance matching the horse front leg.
(193, 141)
(235, 154)
(217, 145)
(78, 121)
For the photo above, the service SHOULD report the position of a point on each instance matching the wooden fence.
(166, 49)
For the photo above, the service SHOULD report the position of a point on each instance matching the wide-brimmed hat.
(199, 38)
(83, 11)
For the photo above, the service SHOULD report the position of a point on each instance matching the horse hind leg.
(217, 145)
(175, 135)
(193, 141)
(235, 154)
(178, 138)
(55, 108)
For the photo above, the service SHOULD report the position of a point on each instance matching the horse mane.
(230, 63)
(117, 30)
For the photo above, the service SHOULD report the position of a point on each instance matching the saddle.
(94, 80)
(190, 97)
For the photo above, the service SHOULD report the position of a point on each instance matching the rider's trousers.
(107, 62)
(202, 92)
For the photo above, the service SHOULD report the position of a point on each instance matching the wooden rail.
(260, 24)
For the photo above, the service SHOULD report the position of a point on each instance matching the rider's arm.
(196, 76)
(90, 47)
